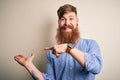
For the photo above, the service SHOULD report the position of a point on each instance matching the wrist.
(27, 65)
(69, 47)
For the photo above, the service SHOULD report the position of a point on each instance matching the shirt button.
(70, 68)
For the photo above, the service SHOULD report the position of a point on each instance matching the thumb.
(32, 55)
(48, 48)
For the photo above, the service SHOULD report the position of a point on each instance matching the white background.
(28, 26)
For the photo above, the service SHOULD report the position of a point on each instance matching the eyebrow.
(68, 16)
(71, 16)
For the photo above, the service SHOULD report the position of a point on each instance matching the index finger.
(48, 48)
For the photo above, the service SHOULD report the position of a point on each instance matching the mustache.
(64, 37)
(68, 26)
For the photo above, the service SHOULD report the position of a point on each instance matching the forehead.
(69, 14)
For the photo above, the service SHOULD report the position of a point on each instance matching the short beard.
(67, 37)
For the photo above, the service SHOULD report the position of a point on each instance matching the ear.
(58, 21)
(77, 20)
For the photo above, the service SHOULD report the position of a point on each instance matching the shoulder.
(83, 42)
(87, 41)
(87, 45)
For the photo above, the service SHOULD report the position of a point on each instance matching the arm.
(50, 67)
(91, 59)
(27, 63)
(78, 55)
(35, 73)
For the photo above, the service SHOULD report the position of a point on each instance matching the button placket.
(71, 67)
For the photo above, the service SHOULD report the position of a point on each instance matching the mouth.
(67, 29)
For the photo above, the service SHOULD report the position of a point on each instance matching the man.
(73, 58)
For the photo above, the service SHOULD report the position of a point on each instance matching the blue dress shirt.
(67, 68)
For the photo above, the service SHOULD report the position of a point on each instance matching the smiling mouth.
(67, 29)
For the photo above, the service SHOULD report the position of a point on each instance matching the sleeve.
(93, 60)
(49, 74)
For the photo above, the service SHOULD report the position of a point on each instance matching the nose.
(67, 22)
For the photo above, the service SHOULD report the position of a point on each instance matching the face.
(68, 22)
(67, 31)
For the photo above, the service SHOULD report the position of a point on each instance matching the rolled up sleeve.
(93, 60)
(49, 74)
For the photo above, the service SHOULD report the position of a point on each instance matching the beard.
(67, 37)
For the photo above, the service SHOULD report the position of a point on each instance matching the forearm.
(35, 73)
(91, 62)
(78, 55)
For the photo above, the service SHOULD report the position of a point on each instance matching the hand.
(57, 49)
(23, 60)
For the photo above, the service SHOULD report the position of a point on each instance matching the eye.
(71, 19)
(62, 19)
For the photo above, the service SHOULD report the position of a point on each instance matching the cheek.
(61, 24)
(75, 24)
